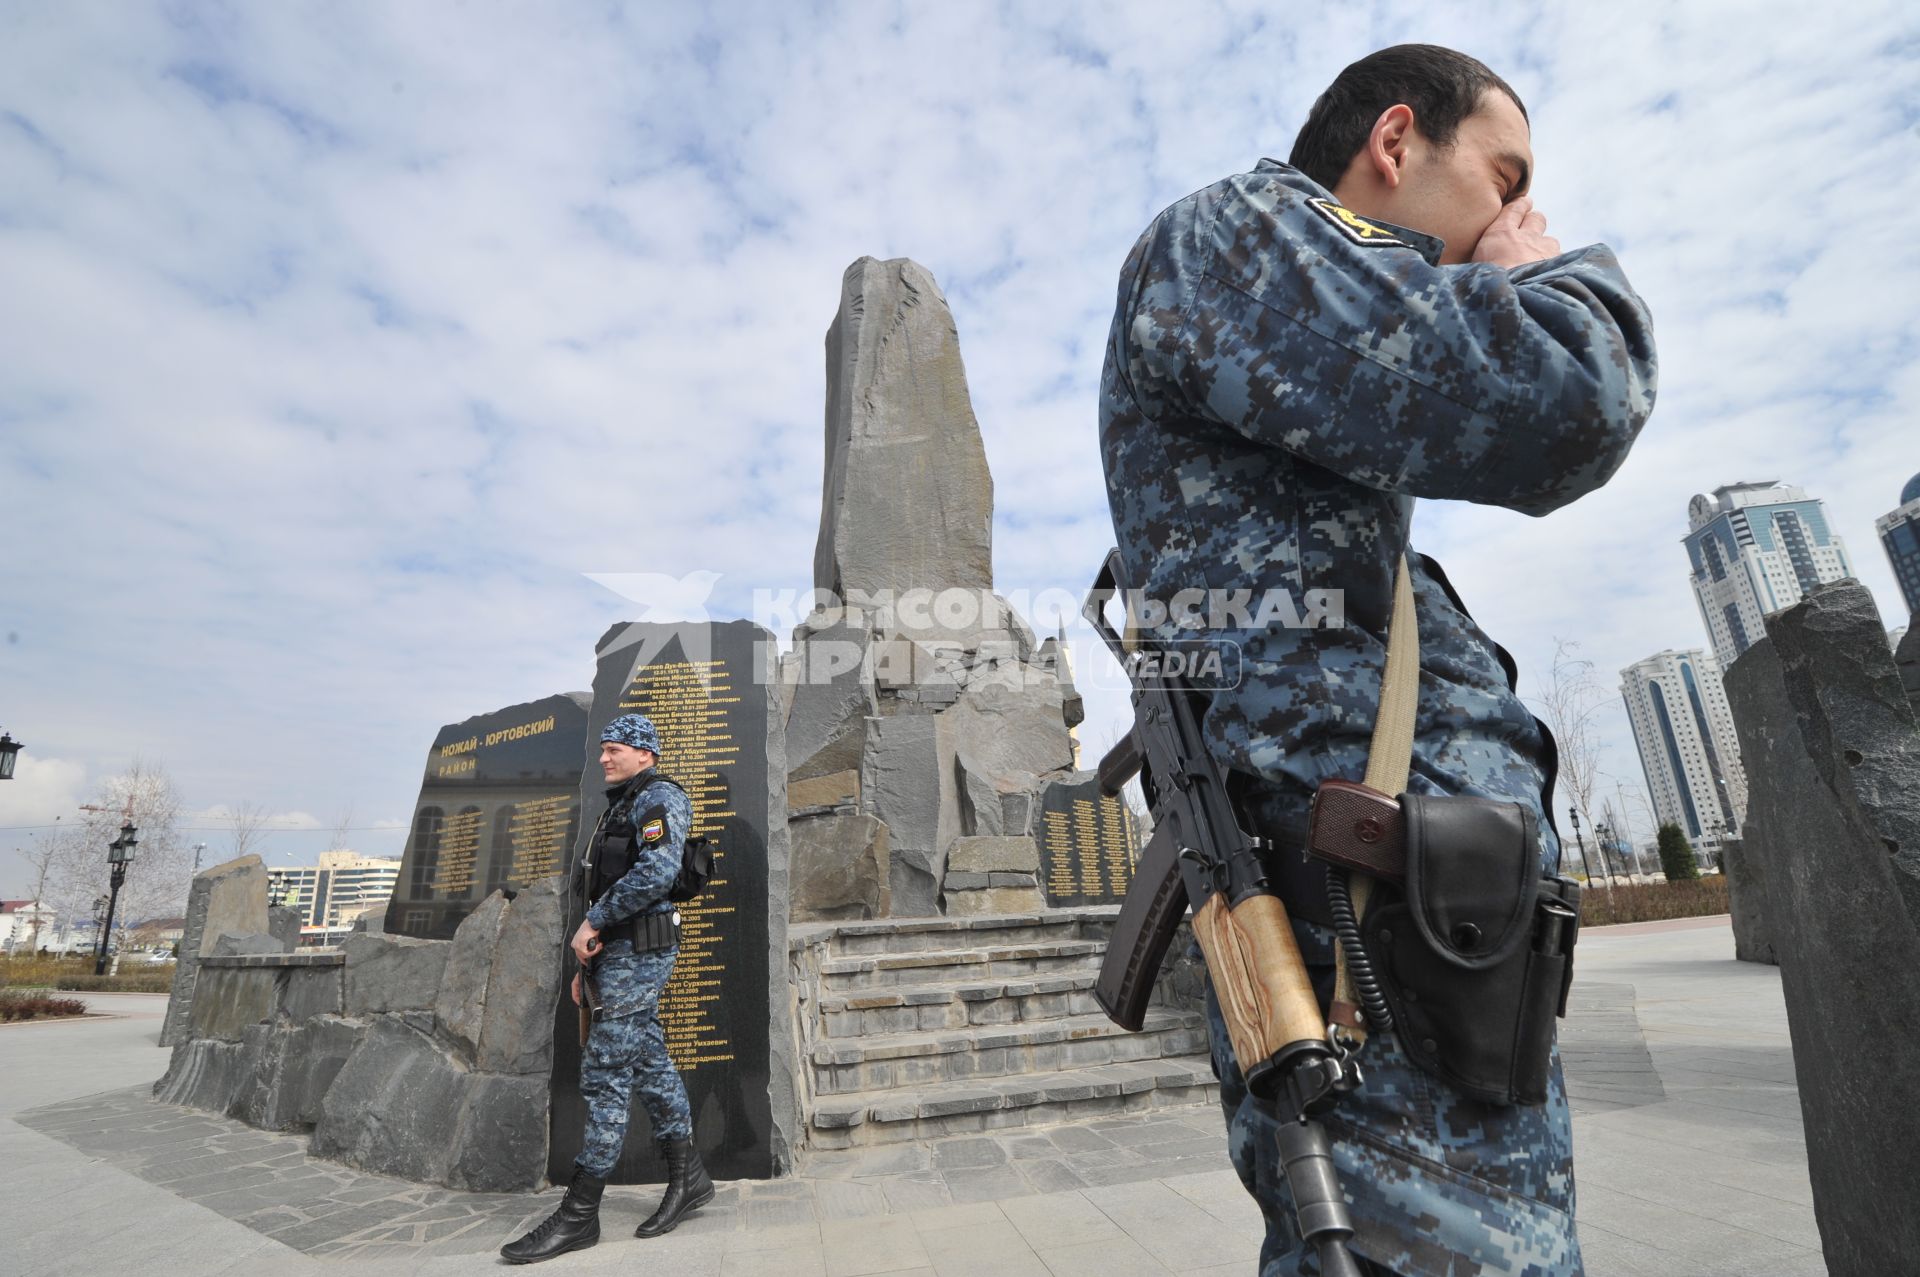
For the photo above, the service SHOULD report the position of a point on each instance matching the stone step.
(987, 1104)
(869, 972)
(879, 1062)
(915, 935)
(907, 1008)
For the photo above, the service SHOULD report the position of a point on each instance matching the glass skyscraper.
(1756, 548)
(1684, 732)
(1900, 534)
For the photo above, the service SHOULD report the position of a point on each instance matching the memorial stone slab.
(229, 897)
(908, 500)
(712, 691)
(1833, 764)
(498, 810)
(1087, 842)
(907, 781)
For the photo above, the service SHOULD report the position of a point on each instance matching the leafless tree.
(342, 826)
(1569, 701)
(248, 821)
(41, 860)
(158, 876)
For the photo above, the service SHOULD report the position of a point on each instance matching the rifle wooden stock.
(1259, 978)
(1156, 900)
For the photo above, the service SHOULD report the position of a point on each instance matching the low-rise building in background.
(333, 894)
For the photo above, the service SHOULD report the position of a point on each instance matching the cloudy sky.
(338, 342)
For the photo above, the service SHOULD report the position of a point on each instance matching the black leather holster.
(1474, 950)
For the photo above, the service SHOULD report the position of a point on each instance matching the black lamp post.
(1574, 812)
(1603, 834)
(119, 853)
(9, 750)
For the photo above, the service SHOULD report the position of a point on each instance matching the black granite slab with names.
(1087, 843)
(709, 689)
(499, 808)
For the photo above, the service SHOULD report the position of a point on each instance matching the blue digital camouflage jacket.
(643, 888)
(1282, 380)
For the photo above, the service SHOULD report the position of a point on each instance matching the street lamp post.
(1603, 835)
(9, 750)
(119, 853)
(197, 849)
(1574, 812)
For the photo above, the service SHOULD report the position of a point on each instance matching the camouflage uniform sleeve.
(1254, 309)
(646, 885)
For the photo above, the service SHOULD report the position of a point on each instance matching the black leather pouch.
(1475, 950)
(653, 931)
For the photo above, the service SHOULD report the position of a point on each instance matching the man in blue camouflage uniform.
(627, 942)
(1298, 352)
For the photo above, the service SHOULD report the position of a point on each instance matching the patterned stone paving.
(268, 1183)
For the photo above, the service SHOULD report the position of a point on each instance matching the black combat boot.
(688, 1188)
(574, 1224)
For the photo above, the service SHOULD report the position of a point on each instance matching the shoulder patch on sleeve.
(653, 831)
(1356, 228)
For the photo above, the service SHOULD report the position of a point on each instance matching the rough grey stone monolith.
(523, 980)
(1907, 658)
(1833, 767)
(283, 924)
(461, 1003)
(832, 699)
(394, 1105)
(1012, 722)
(840, 866)
(240, 943)
(1747, 896)
(228, 897)
(907, 501)
(907, 781)
(228, 999)
(393, 973)
(301, 993)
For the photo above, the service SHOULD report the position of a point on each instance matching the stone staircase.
(915, 1028)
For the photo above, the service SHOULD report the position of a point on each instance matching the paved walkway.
(1687, 1133)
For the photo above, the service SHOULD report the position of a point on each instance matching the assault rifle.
(1200, 856)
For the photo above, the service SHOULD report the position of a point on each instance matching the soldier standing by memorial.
(626, 945)
(1297, 353)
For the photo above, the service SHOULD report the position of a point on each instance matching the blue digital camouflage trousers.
(628, 1049)
(1440, 1185)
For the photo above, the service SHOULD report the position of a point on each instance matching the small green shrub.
(1677, 860)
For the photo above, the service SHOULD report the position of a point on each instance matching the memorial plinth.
(711, 691)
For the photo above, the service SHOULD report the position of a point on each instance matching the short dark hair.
(1443, 88)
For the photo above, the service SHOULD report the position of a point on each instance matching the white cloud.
(342, 341)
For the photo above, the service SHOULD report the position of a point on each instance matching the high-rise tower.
(1684, 732)
(1900, 535)
(1756, 548)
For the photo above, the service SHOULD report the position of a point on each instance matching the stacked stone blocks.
(424, 1059)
